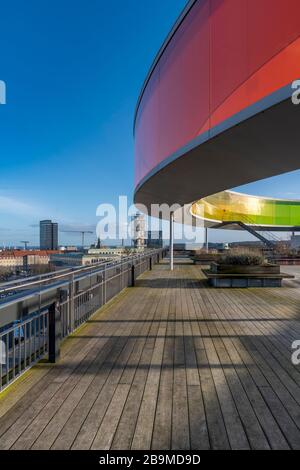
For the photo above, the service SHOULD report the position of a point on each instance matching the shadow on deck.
(169, 364)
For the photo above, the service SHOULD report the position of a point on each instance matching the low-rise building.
(22, 259)
(79, 259)
(69, 248)
(66, 259)
(117, 251)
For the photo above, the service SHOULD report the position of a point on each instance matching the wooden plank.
(171, 363)
(197, 419)
(266, 419)
(100, 369)
(64, 381)
(89, 429)
(70, 348)
(215, 422)
(144, 427)
(109, 424)
(46, 425)
(162, 431)
(126, 427)
(180, 414)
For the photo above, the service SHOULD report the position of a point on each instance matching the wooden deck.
(169, 364)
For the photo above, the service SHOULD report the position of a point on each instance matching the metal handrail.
(68, 272)
(29, 339)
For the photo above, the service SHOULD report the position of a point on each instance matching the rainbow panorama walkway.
(168, 364)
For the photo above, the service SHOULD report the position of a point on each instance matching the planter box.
(204, 259)
(223, 282)
(245, 276)
(216, 268)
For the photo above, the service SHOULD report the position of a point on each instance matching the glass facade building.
(48, 235)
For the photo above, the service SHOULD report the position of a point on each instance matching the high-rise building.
(48, 235)
(139, 238)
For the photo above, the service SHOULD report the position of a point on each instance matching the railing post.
(132, 275)
(72, 305)
(54, 332)
(104, 284)
(150, 263)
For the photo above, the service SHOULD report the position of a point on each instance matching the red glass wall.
(225, 56)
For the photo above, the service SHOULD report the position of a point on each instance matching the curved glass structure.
(215, 111)
(229, 206)
(222, 57)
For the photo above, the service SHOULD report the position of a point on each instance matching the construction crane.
(25, 244)
(83, 232)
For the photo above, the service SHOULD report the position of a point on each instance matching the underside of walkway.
(168, 364)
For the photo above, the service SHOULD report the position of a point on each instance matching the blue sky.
(73, 70)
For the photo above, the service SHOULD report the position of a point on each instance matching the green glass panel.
(229, 206)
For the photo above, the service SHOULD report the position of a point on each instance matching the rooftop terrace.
(169, 363)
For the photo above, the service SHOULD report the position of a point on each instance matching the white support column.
(172, 241)
(206, 239)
